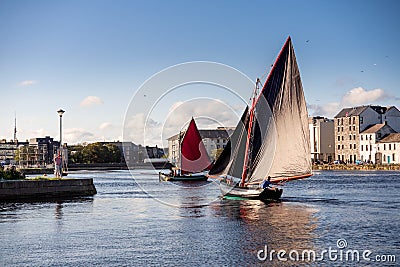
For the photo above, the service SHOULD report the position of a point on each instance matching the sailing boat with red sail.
(271, 141)
(194, 161)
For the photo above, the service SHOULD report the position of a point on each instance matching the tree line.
(94, 153)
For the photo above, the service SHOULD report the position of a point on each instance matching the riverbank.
(97, 167)
(361, 167)
(30, 189)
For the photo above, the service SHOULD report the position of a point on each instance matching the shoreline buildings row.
(362, 134)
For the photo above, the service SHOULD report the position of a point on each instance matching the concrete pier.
(31, 189)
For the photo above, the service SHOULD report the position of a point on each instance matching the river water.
(353, 216)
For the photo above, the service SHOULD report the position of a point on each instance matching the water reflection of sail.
(277, 225)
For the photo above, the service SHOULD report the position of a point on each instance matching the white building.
(212, 139)
(389, 149)
(350, 122)
(369, 139)
(322, 139)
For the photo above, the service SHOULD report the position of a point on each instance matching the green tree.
(95, 153)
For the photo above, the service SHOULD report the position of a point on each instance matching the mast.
(249, 135)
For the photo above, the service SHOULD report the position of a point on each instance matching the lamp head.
(60, 112)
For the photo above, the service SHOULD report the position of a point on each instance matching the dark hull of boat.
(183, 178)
(251, 193)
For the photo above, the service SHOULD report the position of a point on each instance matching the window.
(361, 120)
(342, 129)
(390, 146)
(342, 146)
(338, 147)
(350, 137)
(384, 157)
(338, 129)
(354, 120)
(394, 146)
(338, 137)
(350, 146)
(354, 137)
(342, 122)
(366, 148)
(354, 127)
(355, 146)
(349, 120)
(349, 128)
(361, 137)
(384, 146)
(393, 156)
(342, 137)
(370, 147)
(361, 147)
(370, 137)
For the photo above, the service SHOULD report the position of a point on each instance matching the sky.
(96, 59)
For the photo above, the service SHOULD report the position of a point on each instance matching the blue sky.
(90, 57)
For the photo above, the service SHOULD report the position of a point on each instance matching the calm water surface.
(143, 222)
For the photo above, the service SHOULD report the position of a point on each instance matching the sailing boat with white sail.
(194, 162)
(271, 140)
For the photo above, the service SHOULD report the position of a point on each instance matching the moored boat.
(193, 162)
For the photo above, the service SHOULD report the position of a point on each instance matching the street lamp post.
(61, 112)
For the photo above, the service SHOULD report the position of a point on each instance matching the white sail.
(279, 144)
(284, 92)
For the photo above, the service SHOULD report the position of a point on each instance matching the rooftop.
(373, 128)
(356, 111)
(211, 133)
(391, 138)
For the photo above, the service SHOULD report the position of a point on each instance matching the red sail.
(193, 153)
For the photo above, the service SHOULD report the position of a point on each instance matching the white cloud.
(91, 100)
(141, 131)
(38, 133)
(328, 110)
(78, 135)
(27, 83)
(359, 95)
(209, 114)
(355, 97)
(105, 125)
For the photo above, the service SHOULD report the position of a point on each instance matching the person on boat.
(57, 164)
(266, 183)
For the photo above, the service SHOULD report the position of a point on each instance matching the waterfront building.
(38, 151)
(213, 140)
(350, 122)
(388, 149)
(369, 139)
(322, 139)
(8, 150)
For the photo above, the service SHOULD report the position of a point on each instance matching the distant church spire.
(15, 126)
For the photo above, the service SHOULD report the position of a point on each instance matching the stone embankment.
(47, 188)
(349, 167)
